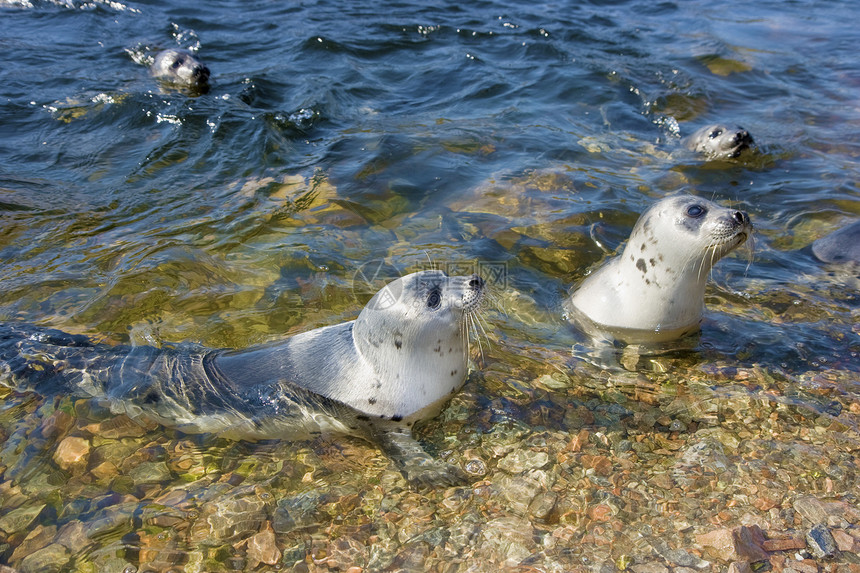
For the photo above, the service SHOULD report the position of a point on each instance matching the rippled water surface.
(496, 136)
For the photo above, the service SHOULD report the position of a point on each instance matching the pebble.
(740, 567)
(72, 452)
(519, 461)
(542, 505)
(21, 518)
(845, 541)
(50, 559)
(262, 548)
(784, 544)
(510, 538)
(39, 537)
(821, 543)
(151, 473)
(120, 426)
(72, 535)
(739, 544)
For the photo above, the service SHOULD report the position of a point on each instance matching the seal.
(718, 141)
(840, 246)
(180, 68)
(654, 291)
(397, 363)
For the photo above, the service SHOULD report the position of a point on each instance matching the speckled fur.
(655, 289)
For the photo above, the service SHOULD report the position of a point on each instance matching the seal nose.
(201, 72)
(743, 136)
(741, 218)
(476, 282)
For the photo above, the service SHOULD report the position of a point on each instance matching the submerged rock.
(509, 538)
(234, 517)
(262, 548)
(72, 453)
(739, 544)
(521, 460)
(821, 543)
(21, 518)
(46, 560)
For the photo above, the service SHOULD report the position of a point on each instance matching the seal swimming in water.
(397, 363)
(719, 141)
(654, 291)
(181, 68)
(840, 246)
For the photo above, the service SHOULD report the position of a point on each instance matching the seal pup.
(719, 141)
(840, 246)
(397, 363)
(654, 291)
(180, 68)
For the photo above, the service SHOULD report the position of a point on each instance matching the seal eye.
(695, 211)
(716, 133)
(434, 300)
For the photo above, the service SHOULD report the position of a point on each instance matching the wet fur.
(397, 363)
(654, 291)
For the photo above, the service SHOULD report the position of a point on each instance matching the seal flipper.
(49, 361)
(419, 467)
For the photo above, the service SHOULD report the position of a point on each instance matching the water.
(337, 134)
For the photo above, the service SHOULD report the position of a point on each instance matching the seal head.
(181, 68)
(840, 246)
(655, 290)
(719, 141)
(411, 347)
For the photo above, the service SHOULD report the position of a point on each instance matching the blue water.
(336, 134)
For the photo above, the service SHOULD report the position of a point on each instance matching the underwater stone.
(46, 560)
(296, 512)
(72, 535)
(739, 544)
(521, 460)
(151, 472)
(37, 539)
(72, 453)
(20, 519)
(543, 504)
(262, 548)
(510, 538)
(821, 543)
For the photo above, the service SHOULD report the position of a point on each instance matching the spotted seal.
(654, 291)
(397, 363)
(840, 246)
(180, 68)
(719, 141)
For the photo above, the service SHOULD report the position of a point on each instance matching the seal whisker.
(430, 261)
(714, 258)
(702, 261)
(749, 248)
(472, 328)
(480, 330)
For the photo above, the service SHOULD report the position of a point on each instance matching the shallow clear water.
(526, 139)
